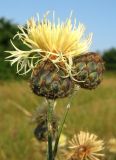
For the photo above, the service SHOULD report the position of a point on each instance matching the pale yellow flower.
(57, 41)
(85, 146)
(112, 145)
(63, 140)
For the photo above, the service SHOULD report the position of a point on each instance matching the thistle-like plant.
(60, 62)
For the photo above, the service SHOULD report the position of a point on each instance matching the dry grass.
(94, 111)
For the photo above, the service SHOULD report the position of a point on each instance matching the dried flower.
(47, 40)
(40, 117)
(85, 146)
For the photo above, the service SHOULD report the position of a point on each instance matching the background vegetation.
(7, 32)
(93, 111)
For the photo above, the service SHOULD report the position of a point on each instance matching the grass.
(93, 111)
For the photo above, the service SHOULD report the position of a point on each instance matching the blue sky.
(99, 16)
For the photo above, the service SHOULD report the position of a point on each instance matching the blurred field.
(93, 111)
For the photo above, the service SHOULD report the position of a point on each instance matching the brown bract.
(89, 69)
(48, 81)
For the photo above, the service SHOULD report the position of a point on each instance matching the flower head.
(112, 145)
(62, 140)
(58, 42)
(85, 146)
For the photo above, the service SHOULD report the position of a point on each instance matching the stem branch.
(60, 131)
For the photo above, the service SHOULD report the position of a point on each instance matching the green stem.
(60, 131)
(49, 123)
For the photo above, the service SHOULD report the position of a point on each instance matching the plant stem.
(49, 123)
(60, 131)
